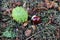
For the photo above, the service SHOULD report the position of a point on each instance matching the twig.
(34, 34)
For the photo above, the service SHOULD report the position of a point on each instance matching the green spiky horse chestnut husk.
(20, 14)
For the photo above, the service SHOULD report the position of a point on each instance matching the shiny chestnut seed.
(36, 19)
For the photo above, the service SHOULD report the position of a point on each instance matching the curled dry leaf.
(4, 13)
(4, 25)
(25, 23)
(28, 32)
(17, 38)
(18, 3)
(57, 35)
(13, 5)
(59, 8)
(34, 27)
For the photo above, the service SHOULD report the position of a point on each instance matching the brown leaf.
(4, 25)
(28, 32)
(25, 23)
